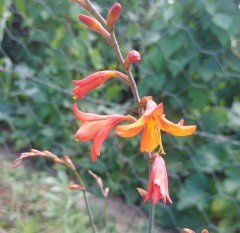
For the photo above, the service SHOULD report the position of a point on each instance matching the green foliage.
(190, 62)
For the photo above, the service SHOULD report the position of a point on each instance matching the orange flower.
(95, 80)
(152, 122)
(113, 15)
(158, 182)
(96, 128)
(94, 25)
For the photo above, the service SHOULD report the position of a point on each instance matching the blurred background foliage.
(190, 62)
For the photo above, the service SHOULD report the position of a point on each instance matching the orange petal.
(175, 129)
(84, 116)
(89, 130)
(150, 138)
(131, 129)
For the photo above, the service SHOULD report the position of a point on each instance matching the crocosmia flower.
(93, 81)
(158, 182)
(96, 128)
(151, 123)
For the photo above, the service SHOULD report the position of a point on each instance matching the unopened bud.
(142, 192)
(69, 162)
(144, 101)
(106, 191)
(94, 25)
(113, 15)
(132, 57)
(97, 178)
(76, 187)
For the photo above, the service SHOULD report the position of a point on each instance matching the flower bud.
(76, 187)
(132, 57)
(94, 25)
(113, 15)
(69, 162)
(142, 192)
(106, 191)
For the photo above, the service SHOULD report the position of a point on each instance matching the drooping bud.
(113, 15)
(94, 25)
(132, 57)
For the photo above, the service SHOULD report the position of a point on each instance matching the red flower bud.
(132, 57)
(94, 25)
(113, 15)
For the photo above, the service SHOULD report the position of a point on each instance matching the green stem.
(151, 218)
(106, 215)
(80, 180)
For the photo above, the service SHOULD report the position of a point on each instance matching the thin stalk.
(133, 85)
(95, 13)
(105, 212)
(80, 180)
(151, 219)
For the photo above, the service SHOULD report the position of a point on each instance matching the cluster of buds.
(150, 124)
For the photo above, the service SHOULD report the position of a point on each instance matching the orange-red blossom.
(93, 81)
(158, 182)
(96, 128)
(151, 123)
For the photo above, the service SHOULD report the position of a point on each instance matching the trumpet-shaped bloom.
(113, 15)
(93, 81)
(151, 123)
(96, 128)
(158, 182)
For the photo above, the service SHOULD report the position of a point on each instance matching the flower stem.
(105, 212)
(151, 218)
(81, 182)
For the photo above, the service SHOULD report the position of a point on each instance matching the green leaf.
(198, 97)
(222, 20)
(21, 6)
